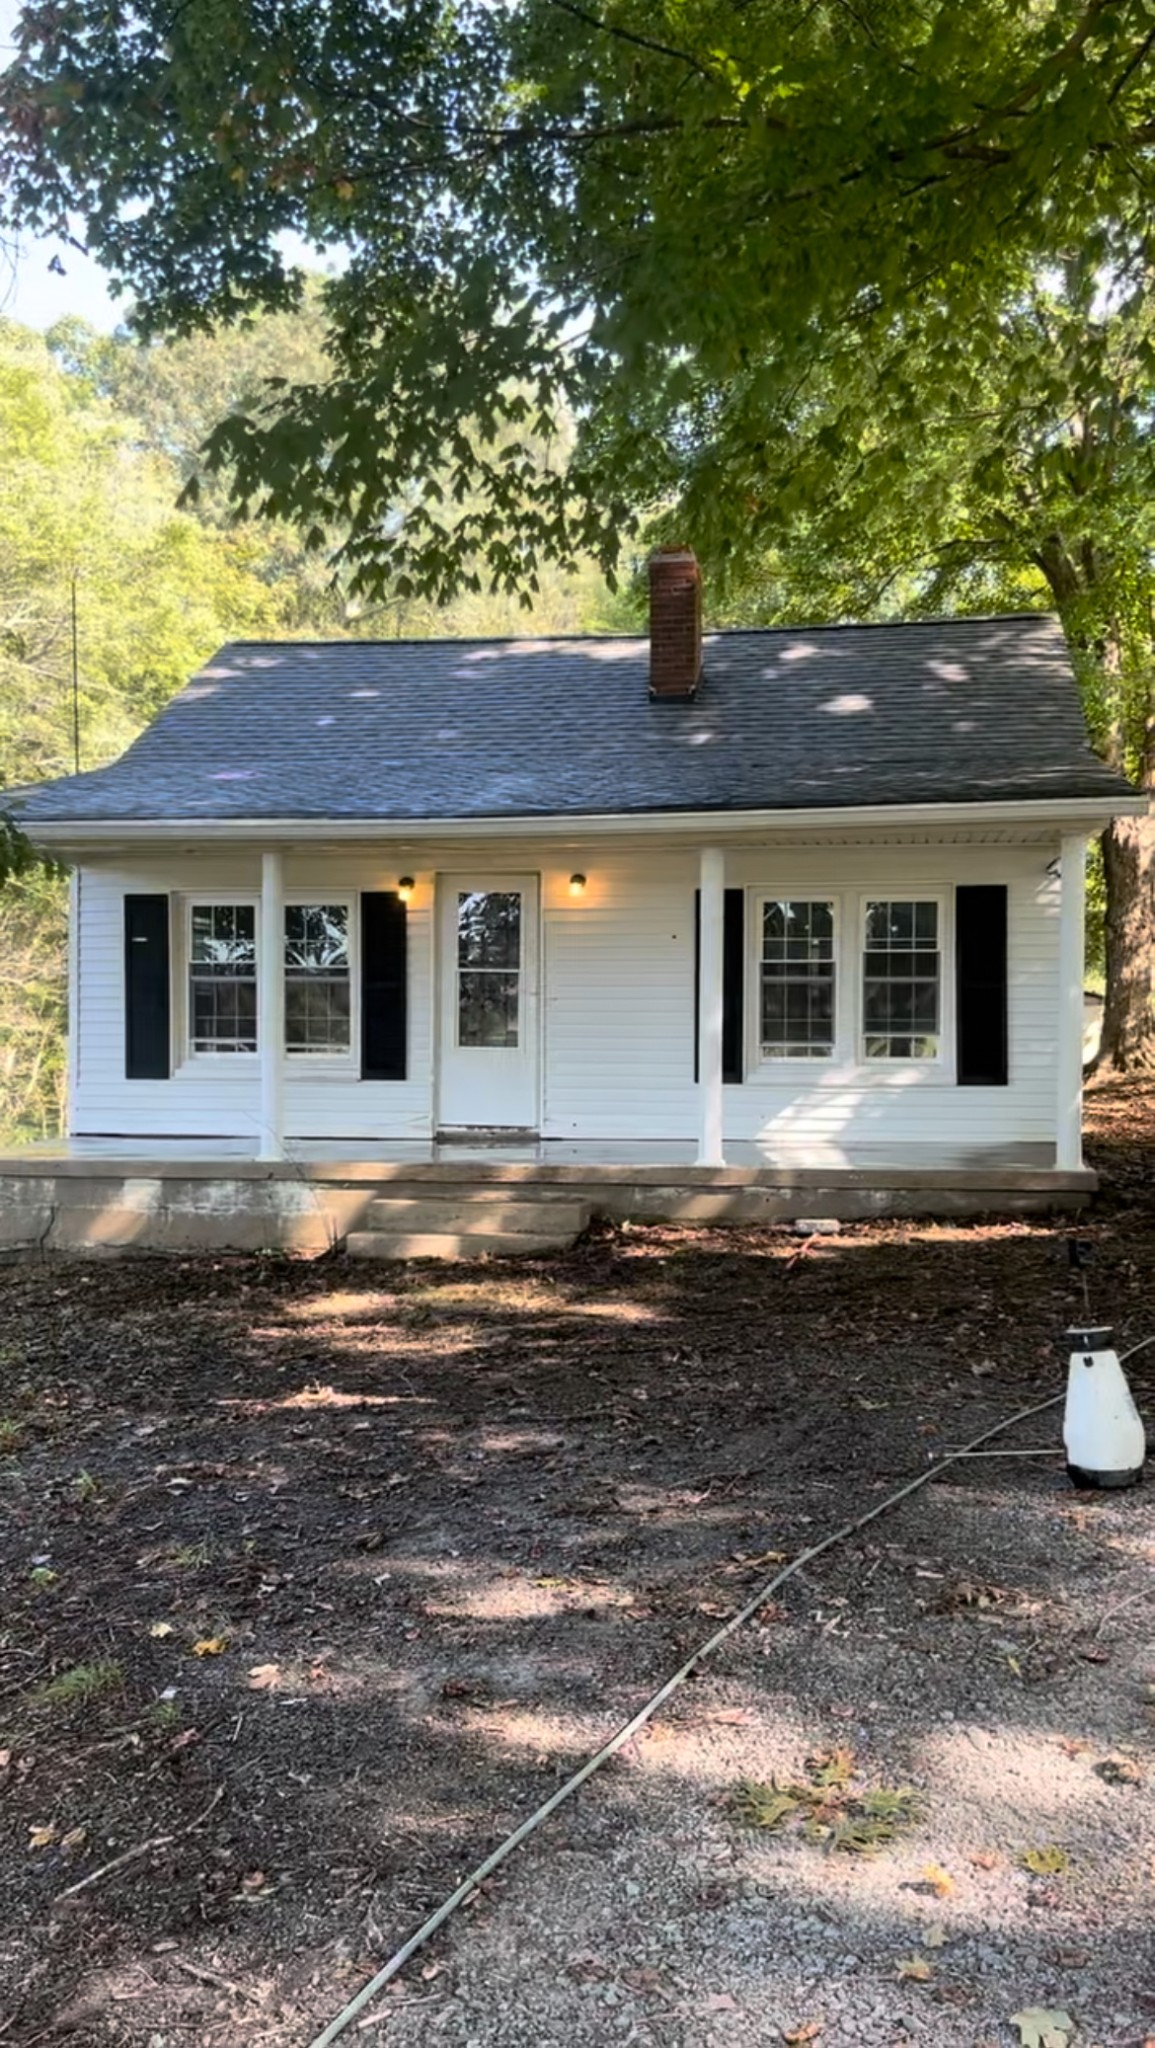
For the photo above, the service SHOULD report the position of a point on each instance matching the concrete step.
(453, 1244)
(463, 1213)
(476, 1188)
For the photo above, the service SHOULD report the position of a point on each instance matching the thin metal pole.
(75, 679)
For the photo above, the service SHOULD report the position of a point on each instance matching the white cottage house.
(798, 902)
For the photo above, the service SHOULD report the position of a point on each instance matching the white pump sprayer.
(1102, 1429)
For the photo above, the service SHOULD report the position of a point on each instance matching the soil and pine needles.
(318, 1578)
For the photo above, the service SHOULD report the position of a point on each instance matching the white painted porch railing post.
(271, 1006)
(1069, 1032)
(712, 908)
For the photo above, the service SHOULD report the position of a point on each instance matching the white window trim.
(770, 1066)
(941, 1063)
(848, 1063)
(234, 1062)
(295, 1063)
(349, 1061)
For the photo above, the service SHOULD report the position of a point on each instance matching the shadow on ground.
(320, 1577)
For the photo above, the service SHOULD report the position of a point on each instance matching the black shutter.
(147, 991)
(981, 985)
(733, 981)
(384, 986)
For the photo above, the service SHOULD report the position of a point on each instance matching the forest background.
(99, 435)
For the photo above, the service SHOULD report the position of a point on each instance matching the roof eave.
(1087, 814)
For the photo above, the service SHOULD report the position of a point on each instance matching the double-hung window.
(222, 978)
(222, 960)
(318, 1012)
(901, 980)
(798, 1013)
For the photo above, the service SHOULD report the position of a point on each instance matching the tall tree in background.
(84, 513)
(551, 207)
(98, 434)
(647, 217)
(1030, 480)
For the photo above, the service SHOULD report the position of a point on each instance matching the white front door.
(489, 1018)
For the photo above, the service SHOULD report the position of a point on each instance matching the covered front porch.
(829, 1019)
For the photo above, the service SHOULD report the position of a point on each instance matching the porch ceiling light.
(405, 887)
(577, 884)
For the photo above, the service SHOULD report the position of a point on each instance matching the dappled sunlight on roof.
(845, 706)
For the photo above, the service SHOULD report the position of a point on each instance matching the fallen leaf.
(587, 1966)
(763, 1806)
(1073, 1745)
(1094, 1653)
(1048, 1861)
(731, 1717)
(935, 1937)
(939, 1879)
(253, 1881)
(985, 1859)
(161, 1629)
(74, 1839)
(263, 1677)
(886, 1802)
(1016, 1667)
(719, 2001)
(1071, 1958)
(860, 1836)
(796, 2037)
(983, 1368)
(915, 1970)
(1039, 2027)
(832, 1767)
(43, 1837)
(210, 1646)
(5, 1759)
(1119, 1770)
(644, 1978)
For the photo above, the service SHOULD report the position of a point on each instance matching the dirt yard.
(318, 1578)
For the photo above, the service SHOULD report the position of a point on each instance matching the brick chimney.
(675, 623)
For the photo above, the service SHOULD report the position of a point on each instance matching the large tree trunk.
(1128, 1041)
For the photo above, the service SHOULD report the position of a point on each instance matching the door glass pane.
(488, 967)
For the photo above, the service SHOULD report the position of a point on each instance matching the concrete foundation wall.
(250, 1208)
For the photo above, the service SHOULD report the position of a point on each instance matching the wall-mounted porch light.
(405, 887)
(577, 885)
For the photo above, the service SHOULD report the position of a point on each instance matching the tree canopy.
(854, 294)
(555, 215)
(97, 433)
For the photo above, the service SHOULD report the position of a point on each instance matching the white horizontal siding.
(219, 1098)
(617, 1004)
(620, 1022)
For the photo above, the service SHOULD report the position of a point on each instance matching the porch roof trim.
(1069, 814)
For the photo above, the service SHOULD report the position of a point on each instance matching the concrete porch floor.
(534, 1151)
(401, 1198)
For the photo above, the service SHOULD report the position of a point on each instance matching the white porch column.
(271, 1005)
(1069, 1022)
(712, 908)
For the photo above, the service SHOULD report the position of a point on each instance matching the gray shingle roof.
(951, 710)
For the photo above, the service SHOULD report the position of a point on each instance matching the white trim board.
(1072, 814)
